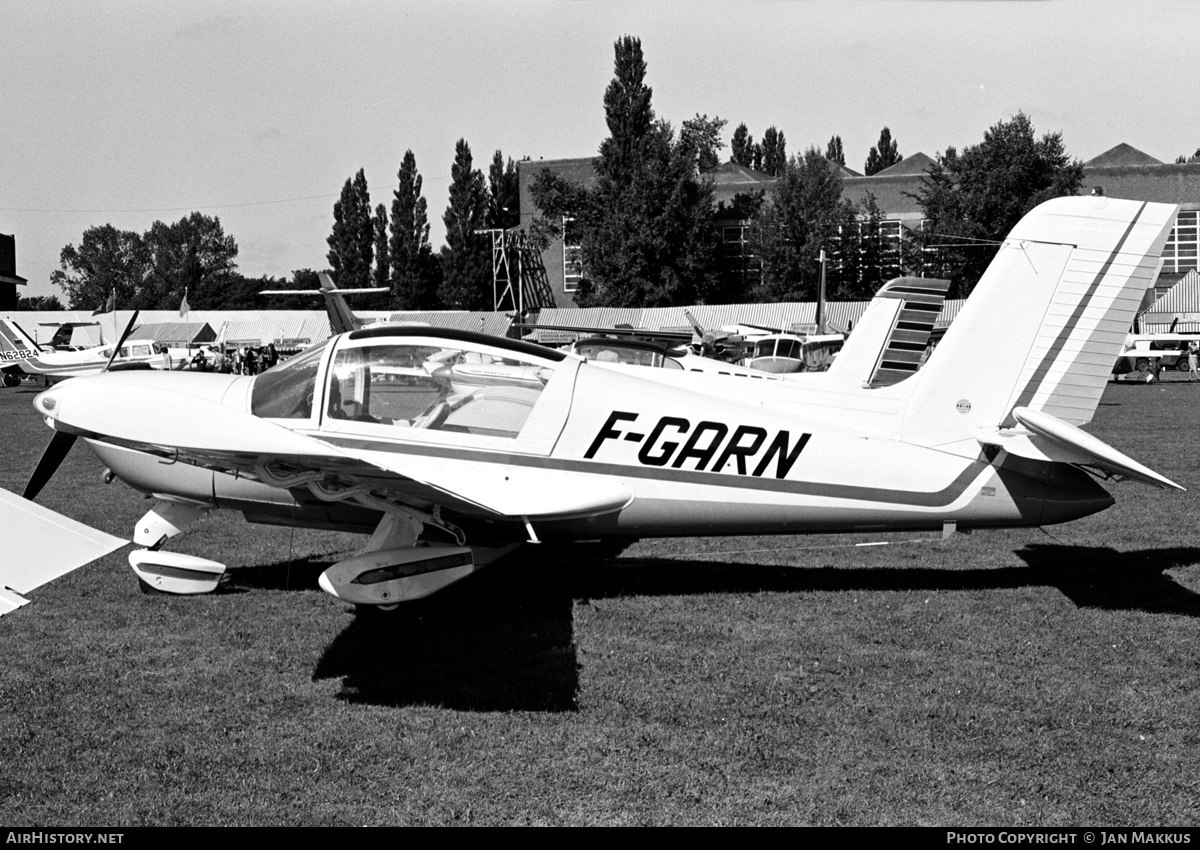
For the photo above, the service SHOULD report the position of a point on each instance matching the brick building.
(1121, 172)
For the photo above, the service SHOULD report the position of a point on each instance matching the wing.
(41, 545)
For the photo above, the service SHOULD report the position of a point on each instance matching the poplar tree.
(741, 148)
(466, 258)
(352, 242)
(503, 209)
(414, 269)
(383, 271)
(834, 152)
(774, 151)
(645, 227)
(884, 155)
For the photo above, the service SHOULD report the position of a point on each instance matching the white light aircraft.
(19, 354)
(544, 446)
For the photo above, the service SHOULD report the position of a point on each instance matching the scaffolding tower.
(529, 290)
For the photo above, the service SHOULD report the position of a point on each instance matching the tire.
(1181, 365)
(1142, 364)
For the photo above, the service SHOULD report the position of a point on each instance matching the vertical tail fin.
(1045, 322)
(14, 338)
(341, 319)
(891, 336)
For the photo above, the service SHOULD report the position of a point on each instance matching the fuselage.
(700, 455)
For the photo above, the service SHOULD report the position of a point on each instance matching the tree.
(352, 242)
(702, 136)
(804, 214)
(741, 148)
(383, 268)
(627, 111)
(504, 201)
(414, 278)
(834, 152)
(862, 260)
(39, 302)
(151, 271)
(107, 261)
(193, 255)
(975, 198)
(884, 155)
(466, 258)
(774, 151)
(645, 226)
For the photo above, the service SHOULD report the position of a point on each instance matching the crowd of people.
(243, 360)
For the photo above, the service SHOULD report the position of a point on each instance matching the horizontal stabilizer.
(1051, 439)
(42, 545)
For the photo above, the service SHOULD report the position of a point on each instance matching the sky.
(257, 111)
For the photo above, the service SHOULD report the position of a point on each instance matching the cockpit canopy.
(410, 378)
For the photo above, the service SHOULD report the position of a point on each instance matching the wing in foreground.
(42, 545)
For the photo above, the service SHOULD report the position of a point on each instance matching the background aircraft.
(341, 317)
(20, 355)
(447, 477)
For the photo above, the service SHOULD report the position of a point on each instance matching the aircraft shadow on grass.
(504, 640)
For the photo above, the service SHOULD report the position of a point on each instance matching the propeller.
(709, 344)
(61, 441)
(55, 453)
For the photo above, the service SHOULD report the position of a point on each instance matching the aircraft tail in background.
(14, 338)
(891, 337)
(341, 318)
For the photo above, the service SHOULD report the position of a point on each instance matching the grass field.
(1026, 677)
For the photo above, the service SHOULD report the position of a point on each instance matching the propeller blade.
(54, 454)
(121, 341)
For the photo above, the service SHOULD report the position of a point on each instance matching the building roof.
(1179, 307)
(492, 323)
(918, 164)
(893, 188)
(729, 179)
(185, 333)
(735, 174)
(1120, 156)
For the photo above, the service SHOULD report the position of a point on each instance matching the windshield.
(286, 391)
